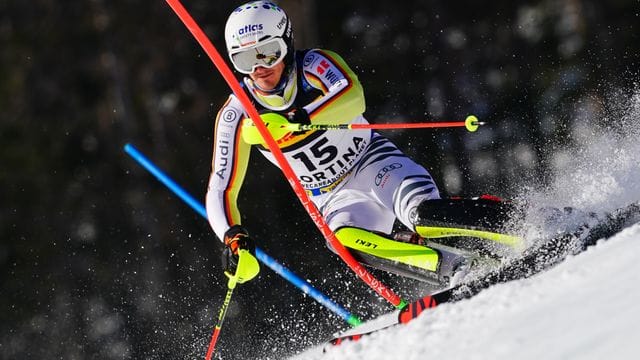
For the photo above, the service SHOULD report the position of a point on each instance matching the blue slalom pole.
(261, 255)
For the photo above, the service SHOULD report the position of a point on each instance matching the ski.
(534, 260)
(396, 317)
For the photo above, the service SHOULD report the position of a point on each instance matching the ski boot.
(437, 265)
(456, 264)
(480, 225)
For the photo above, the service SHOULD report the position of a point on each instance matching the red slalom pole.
(313, 211)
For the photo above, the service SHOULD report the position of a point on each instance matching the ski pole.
(246, 270)
(261, 255)
(218, 327)
(471, 123)
(284, 165)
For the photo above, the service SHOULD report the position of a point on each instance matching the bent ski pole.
(261, 255)
(284, 165)
(471, 123)
(246, 270)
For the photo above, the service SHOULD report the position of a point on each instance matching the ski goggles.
(266, 54)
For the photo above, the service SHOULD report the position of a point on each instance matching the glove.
(235, 238)
(299, 116)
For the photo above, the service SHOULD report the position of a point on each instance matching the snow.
(576, 310)
(583, 308)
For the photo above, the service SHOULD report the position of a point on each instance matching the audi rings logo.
(229, 115)
(381, 174)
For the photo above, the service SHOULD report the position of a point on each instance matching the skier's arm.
(343, 97)
(229, 165)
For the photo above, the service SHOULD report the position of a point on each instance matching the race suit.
(356, 178)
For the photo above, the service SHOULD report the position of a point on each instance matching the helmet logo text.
(250, 28)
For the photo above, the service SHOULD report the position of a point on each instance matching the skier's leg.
(394, 180)
(383, 187)
(408, 190)
(486, 213)
(436, 266)
(361, 224)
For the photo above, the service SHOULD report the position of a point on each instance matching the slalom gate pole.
(471, 124)
(284, 165)
(261, 255)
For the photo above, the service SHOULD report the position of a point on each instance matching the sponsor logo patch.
(229, 115)
(309, 59)
(250, 28)
(383, 174)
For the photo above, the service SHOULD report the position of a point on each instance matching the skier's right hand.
(299, 116)
(235, 239)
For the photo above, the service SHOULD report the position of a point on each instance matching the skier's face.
(267, 78)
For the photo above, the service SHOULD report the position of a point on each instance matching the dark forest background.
(99, 261)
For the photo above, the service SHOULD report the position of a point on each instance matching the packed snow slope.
(584, 308)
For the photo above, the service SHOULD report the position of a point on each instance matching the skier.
(359, 180)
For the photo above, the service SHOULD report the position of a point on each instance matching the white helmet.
(259, 33)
